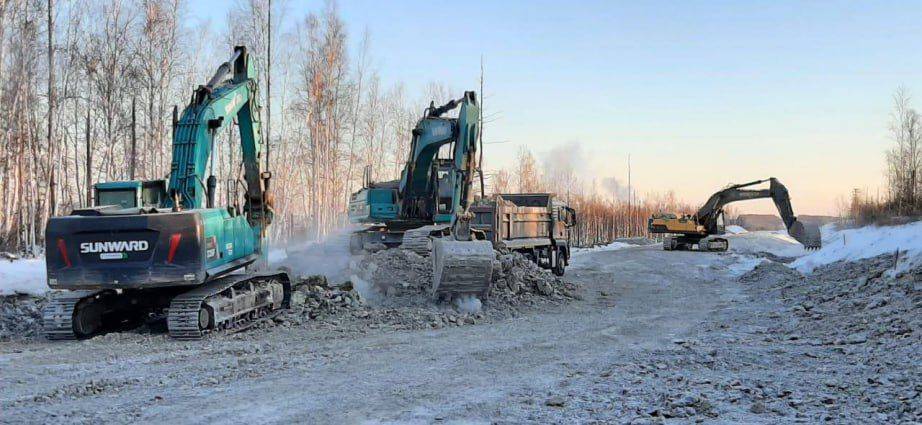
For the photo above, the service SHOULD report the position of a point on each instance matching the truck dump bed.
(518, 221)
(534, 224)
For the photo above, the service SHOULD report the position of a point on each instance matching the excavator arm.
(230, 94)
(709, 213)
(431, 133)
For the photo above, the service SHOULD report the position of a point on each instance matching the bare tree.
(65, 127)
(904, 158)
(527, 175)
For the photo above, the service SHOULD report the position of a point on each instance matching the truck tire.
(559, 266)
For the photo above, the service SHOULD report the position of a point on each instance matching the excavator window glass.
(153, 193)
(124, 198)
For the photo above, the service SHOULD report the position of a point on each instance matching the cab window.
(124, 198)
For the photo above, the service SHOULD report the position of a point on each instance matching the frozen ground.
(656, 336)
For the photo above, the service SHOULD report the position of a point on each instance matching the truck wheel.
(559, 267)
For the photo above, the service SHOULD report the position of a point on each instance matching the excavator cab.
(445, 190)
(129, 194)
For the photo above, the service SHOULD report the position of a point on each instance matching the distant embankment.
(753, 222)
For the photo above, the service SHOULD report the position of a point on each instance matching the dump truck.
(536, 225)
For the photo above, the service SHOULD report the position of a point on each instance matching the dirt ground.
(655, 337)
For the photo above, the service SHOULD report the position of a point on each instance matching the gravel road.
(656, 336)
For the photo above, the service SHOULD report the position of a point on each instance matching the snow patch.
(735, 230)
(866, 242)
(776, 242)
(744, 264)
(23, 276)
(614, 246)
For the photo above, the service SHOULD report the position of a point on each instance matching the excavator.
(685, 232)
(428, 209)
(152, 248)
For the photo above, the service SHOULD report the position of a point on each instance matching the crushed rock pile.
(389, 289)
(854, 303)
(862, 313)
(20, 317)
(850, 303)
(517, 278)
(773, 271)
(405, 276)
(392, 273)
(315, 302)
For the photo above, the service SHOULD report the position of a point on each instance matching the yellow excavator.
(701, 231)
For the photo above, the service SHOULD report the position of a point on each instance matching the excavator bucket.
(461, 268)
(808, 235)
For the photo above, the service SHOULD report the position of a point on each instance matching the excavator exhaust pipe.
(808, 235)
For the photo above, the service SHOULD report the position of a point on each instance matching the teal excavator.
(152, 248)
(428, 209)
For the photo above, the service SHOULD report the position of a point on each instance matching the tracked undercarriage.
(228, 303)
(419, 240)
(682, 243)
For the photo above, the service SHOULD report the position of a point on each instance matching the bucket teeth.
(808, 235)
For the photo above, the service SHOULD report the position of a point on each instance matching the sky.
(698, 94)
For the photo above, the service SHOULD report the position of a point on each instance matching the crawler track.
(419, 240)
(231, 303)
(58, 315)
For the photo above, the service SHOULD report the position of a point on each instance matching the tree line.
(901, 198)
(89, 88)
(606, 209)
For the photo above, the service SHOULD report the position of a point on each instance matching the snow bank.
(776, 242)
(614, 246)
(735, 230)
(25, 276)
(865, 242)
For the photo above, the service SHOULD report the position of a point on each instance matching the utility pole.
(89, 159)
(134, 139)
(630, 199)
(480, 162)
(630, 193)
(51, 160)
(268, 84)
